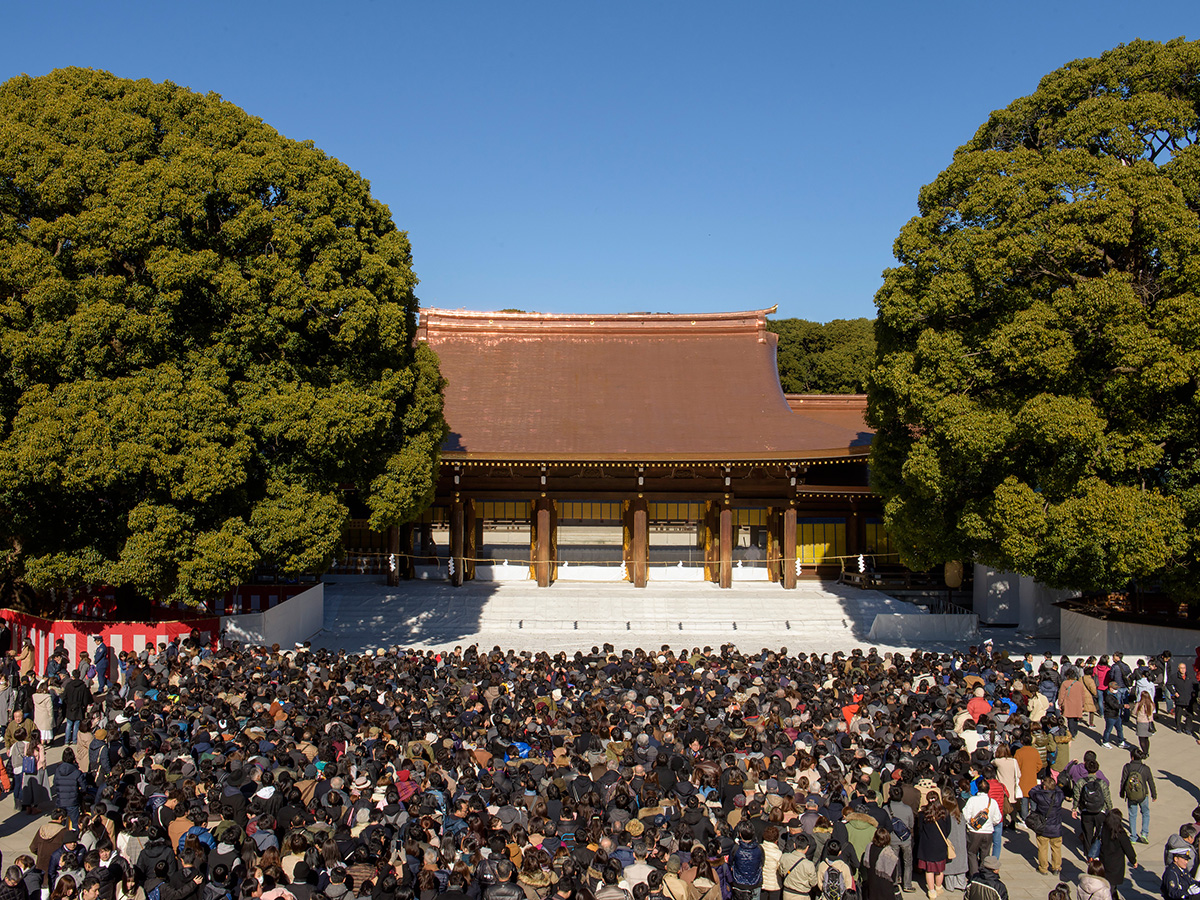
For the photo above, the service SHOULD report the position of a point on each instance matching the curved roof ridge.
(482, 322)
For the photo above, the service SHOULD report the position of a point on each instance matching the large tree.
(1036, 393)
(824, 358)
(206, 336)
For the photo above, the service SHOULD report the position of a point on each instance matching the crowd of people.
(231, 773)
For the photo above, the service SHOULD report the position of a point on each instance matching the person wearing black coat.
(1047, 800)
(933, 835)
(1115, 849)
(12, 887)
(76, 698)
(69, 786)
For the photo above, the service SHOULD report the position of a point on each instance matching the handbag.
(950, 854)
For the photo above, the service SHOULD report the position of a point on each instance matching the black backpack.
(1064, 781)
(1091, 796)
(833, 884)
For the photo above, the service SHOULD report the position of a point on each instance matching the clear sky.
(577, 156)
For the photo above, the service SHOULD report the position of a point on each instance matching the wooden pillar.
(542, 551)
(774, 525)
(471, 545)
(726, 542)
(408, 565)
(457, 541)
(394, 561)
(639, 549)
(478, 534)
(853, 536)
(712, 568)
(789, 548)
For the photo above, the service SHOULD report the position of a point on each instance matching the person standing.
(1177, 881)
(69, 787)
(1137, 790)
(933, 843)
(983, 815)
(43, 711)
(33, 785)
(903, 830)
(746, 864)
(16, 757)
(880, 864)
(1092, 802)
(101, 662)
(797, 873)
(1143, 720)
(1070, 699)
(1122, 681)
(76, 699)
(986, 884)
(1181, 694)
(1046, 799)
(1092, 884)
(25, 659)
(1115, 850)
(1091, 700)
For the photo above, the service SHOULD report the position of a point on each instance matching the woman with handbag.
(933, 844)
(955, 876)
(16, 758)
(1143, 718)
(33, 787)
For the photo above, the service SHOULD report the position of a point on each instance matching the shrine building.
(631, 448)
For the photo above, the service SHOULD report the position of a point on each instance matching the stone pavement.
(1172, 758)
(817, 617)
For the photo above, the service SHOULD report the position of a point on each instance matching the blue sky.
(616, 157)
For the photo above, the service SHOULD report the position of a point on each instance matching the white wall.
(1083, 635)
(914, 629)
(997, 596)
(1006, 598)
(287, 624)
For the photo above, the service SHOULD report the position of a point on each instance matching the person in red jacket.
(979, 705)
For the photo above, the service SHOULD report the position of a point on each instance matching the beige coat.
(1091, 699)
(1008, 773)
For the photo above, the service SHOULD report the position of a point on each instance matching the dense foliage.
(824, 358)
(205, 336)
(1036, 395)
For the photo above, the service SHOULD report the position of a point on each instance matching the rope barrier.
(522, 561)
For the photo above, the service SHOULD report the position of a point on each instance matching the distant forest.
(824, 358)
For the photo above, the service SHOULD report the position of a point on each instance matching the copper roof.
(846, 410)
(530, 386)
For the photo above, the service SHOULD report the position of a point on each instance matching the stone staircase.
(816, 617)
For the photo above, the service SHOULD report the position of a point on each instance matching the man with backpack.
(1137, 789)
(1092, 802)
(834, 876)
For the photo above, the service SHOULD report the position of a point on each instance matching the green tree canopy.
(1036, 393)
(824, 358)
(205, 337)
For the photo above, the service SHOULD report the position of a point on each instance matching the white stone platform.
(818, 617)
